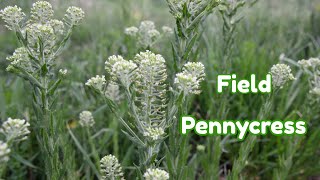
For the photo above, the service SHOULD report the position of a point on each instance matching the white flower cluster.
(110, 167)
(147, 34)
(310, 63)
(281, 74)
(113, 92)
(4, 152)
(74, 15)
(97, 82)
(313, 65)
(86, 119)
(167, 30)
(20, 58)
(41, 12)
(155, 134)
(58, 26)
(44, 32)
(131, 31)
(190, 78)
(15, 129)
(12, 16)
(121, 70)
(41, 34)
(156, 174)
(147, 72)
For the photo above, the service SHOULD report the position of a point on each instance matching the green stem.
(93, 148)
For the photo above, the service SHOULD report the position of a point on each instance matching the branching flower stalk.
(312, 68)
(229, 10)
(281, 76)
(87, 121)
(146, 35)
(144, 80)
(189, 14)
(42, 39)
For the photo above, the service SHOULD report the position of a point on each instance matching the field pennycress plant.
(42, 39)
(153, 105)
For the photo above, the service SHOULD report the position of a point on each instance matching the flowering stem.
(247, 146)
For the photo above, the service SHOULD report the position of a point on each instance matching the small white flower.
(74, 15)
(155, 133)
(315, 91)
(196, 69)
(190, 78)
(15, 129)
(201, 148)
(131, 31)
(111, 61)
(86, 119)
(97, 82)
(187, 83)
(41, 12)
(156, 174)
(110, 167)
(63, 72)
(12, 16)
(281, 74)
(124, 71)
(4, 152)
(167, 30)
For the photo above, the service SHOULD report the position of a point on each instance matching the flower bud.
(86, 119)
(281, 74)
(156, 174)
(41, 12)
(97, 82)
(131, 31)
(74, 15)
(155, 133)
